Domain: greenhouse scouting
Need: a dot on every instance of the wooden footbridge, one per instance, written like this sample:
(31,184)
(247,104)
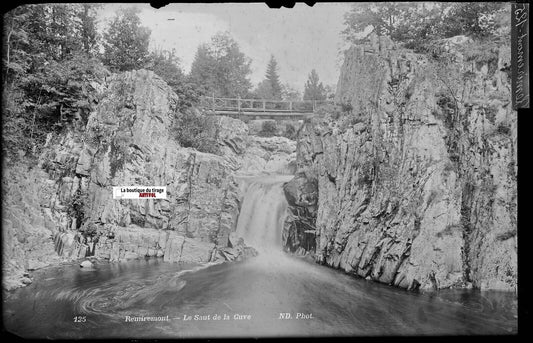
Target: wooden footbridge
(262,108)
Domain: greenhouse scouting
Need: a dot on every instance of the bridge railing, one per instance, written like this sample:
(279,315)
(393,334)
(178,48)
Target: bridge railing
(261,105)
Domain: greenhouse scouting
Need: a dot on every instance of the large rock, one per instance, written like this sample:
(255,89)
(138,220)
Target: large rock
(128,142)
(86,264)
(136,242)
(417,183)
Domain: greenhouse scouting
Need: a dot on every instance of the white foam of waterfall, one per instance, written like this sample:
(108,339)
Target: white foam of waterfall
(263,213)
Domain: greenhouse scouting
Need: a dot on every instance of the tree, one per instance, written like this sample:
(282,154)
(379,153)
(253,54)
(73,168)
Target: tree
(270,88)
(415,24)
(194,130)
(15,41)
(47,75)
(290,131)
(314,90)
(63,31)
(288,93)
(126,41)
(273,79)
(221,68)
(330,91)
(263,90)
(383,18)
(166,64)
(53,30)
(203,71)
(89,33)
(471,18)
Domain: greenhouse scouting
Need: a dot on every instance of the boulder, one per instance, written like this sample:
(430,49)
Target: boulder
(26,280)
(86,264)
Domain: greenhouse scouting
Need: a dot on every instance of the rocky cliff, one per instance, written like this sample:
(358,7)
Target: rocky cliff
(247,153)
(64,206)
(26,229)
(127,142)
(416,174)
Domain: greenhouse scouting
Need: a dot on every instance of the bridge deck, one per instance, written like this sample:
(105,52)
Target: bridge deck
(261,108)
(264,115)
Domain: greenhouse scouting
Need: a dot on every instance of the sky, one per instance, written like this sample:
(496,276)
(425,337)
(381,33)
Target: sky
(301,39)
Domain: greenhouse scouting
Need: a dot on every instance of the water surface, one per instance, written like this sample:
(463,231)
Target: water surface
(271,295)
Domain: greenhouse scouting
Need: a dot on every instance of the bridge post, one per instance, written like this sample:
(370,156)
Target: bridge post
(290,106)
(264,102)
(239,103)
(213,102)
(314,104)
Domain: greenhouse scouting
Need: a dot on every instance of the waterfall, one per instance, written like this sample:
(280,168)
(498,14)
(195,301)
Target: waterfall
(263,213)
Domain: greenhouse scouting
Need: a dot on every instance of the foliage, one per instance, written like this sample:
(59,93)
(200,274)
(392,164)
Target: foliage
(36,34)
(60,93)
(333,110)
(270,88)
(483,53)
(126,41)
(220,68)
(76,206)
(330,92)
(188,93)
(263,91)
(268,129)
(203,71)
(447,108)
(314,90)
(89,230)
(383,17)
(504,129)
(167,65)
(48,71)
(54,30)
(89,33)
(195,130)
(416,24)
(472,19)
(290,131)
(290,94)
(348,121)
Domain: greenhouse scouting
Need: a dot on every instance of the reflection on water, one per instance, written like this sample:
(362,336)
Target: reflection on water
(339,303)
(273,294)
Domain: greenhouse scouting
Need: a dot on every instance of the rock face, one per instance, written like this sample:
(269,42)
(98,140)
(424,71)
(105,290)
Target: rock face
(27,227)
(417,182)
(249,154)
(126,141)
(299,229)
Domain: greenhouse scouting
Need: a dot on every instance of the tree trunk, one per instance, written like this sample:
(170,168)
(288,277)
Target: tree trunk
(8,49)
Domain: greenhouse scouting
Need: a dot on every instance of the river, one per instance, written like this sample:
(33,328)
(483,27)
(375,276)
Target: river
(271,295)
